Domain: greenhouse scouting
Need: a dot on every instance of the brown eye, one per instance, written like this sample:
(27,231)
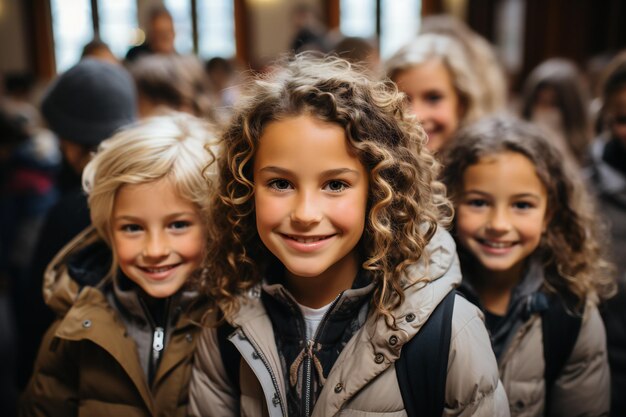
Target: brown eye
(280,184)
(336,186)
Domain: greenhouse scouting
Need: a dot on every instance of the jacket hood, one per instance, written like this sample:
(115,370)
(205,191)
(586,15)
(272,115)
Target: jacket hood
(425,284)
(84,261)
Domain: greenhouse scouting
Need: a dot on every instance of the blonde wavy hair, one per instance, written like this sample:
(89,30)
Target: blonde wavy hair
(176,146)
(450,52)
(570,249)
(405,202)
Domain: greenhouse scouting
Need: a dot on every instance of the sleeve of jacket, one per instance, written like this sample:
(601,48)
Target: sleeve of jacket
(52,389)
(473,386)
(210,390)
(583,388)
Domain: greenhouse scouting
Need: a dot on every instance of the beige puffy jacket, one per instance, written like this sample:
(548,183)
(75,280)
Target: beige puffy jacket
(363,381)
(582,388)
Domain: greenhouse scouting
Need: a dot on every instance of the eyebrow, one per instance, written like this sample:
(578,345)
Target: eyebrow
(137,218)
(521,195)
(327,173)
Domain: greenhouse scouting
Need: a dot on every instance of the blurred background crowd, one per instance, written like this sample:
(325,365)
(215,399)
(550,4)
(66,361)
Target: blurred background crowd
(558,63)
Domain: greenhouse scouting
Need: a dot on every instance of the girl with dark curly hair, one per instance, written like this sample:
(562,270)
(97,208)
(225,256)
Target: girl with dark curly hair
(528,244)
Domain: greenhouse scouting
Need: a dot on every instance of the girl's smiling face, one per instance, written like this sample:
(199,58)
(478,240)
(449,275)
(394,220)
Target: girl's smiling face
(432,99)
(310,202)
(501,212)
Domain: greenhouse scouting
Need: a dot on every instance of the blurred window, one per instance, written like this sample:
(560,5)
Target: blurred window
(118,23)
(74,25)
(358,18)
(72,28)
(399,23)
(394,22)
(182,15)
(216,28)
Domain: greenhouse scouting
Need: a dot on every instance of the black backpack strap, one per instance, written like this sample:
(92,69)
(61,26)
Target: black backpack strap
(560,329)
(231,357)
(422,368)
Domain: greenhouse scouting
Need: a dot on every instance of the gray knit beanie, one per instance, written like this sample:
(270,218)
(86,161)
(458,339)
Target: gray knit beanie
(90,101)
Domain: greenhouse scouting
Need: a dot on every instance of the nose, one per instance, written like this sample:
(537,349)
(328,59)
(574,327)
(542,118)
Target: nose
(306,209)
(419,109)
(156,245)
(499,221)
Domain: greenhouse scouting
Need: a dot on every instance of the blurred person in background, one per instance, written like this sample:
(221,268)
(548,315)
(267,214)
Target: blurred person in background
(607,177)
(172,82)
(361,51)
(28,161)
(441,85)
(83,106)
(224,85)
(310,32)
(160,35)
(98,49)
(555,96)
(482,55)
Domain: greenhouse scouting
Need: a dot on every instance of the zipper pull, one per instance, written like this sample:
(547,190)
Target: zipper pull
(157,340)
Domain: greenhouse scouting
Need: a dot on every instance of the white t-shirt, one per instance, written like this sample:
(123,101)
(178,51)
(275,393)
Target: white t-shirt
(313,318)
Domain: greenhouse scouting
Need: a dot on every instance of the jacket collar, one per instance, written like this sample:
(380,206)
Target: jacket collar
(526,299)
(60,288)
(425,285)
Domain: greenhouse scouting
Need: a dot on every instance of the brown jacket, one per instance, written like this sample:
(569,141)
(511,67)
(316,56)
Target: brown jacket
(88,365)
(363,380)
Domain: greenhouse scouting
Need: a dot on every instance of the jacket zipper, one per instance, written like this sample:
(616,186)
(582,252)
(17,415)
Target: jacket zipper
(269,370)
(158,336)
(309,357)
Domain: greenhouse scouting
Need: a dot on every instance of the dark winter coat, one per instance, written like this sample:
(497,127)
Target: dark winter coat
(609,185)
(88,363)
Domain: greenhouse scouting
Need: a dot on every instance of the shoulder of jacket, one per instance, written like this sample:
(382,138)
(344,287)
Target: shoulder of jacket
(465,314)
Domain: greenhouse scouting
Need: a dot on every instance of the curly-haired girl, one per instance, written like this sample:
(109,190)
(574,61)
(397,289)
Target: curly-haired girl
(333,258)
(527,244)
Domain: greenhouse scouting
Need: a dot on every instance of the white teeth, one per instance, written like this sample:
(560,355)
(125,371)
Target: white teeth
(307,239)
(497,245)
(157,270)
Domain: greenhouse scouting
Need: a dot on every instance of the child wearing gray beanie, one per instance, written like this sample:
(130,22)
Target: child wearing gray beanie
(83,106)
(90,101)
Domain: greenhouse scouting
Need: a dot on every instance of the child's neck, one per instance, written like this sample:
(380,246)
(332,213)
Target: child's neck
(321,290)
(494,288)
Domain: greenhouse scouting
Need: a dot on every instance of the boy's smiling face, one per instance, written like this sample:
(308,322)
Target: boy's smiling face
(310,202)
(158,237)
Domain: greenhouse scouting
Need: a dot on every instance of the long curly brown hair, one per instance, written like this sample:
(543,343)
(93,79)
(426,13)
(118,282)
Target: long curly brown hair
(405,202)
(571,248)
